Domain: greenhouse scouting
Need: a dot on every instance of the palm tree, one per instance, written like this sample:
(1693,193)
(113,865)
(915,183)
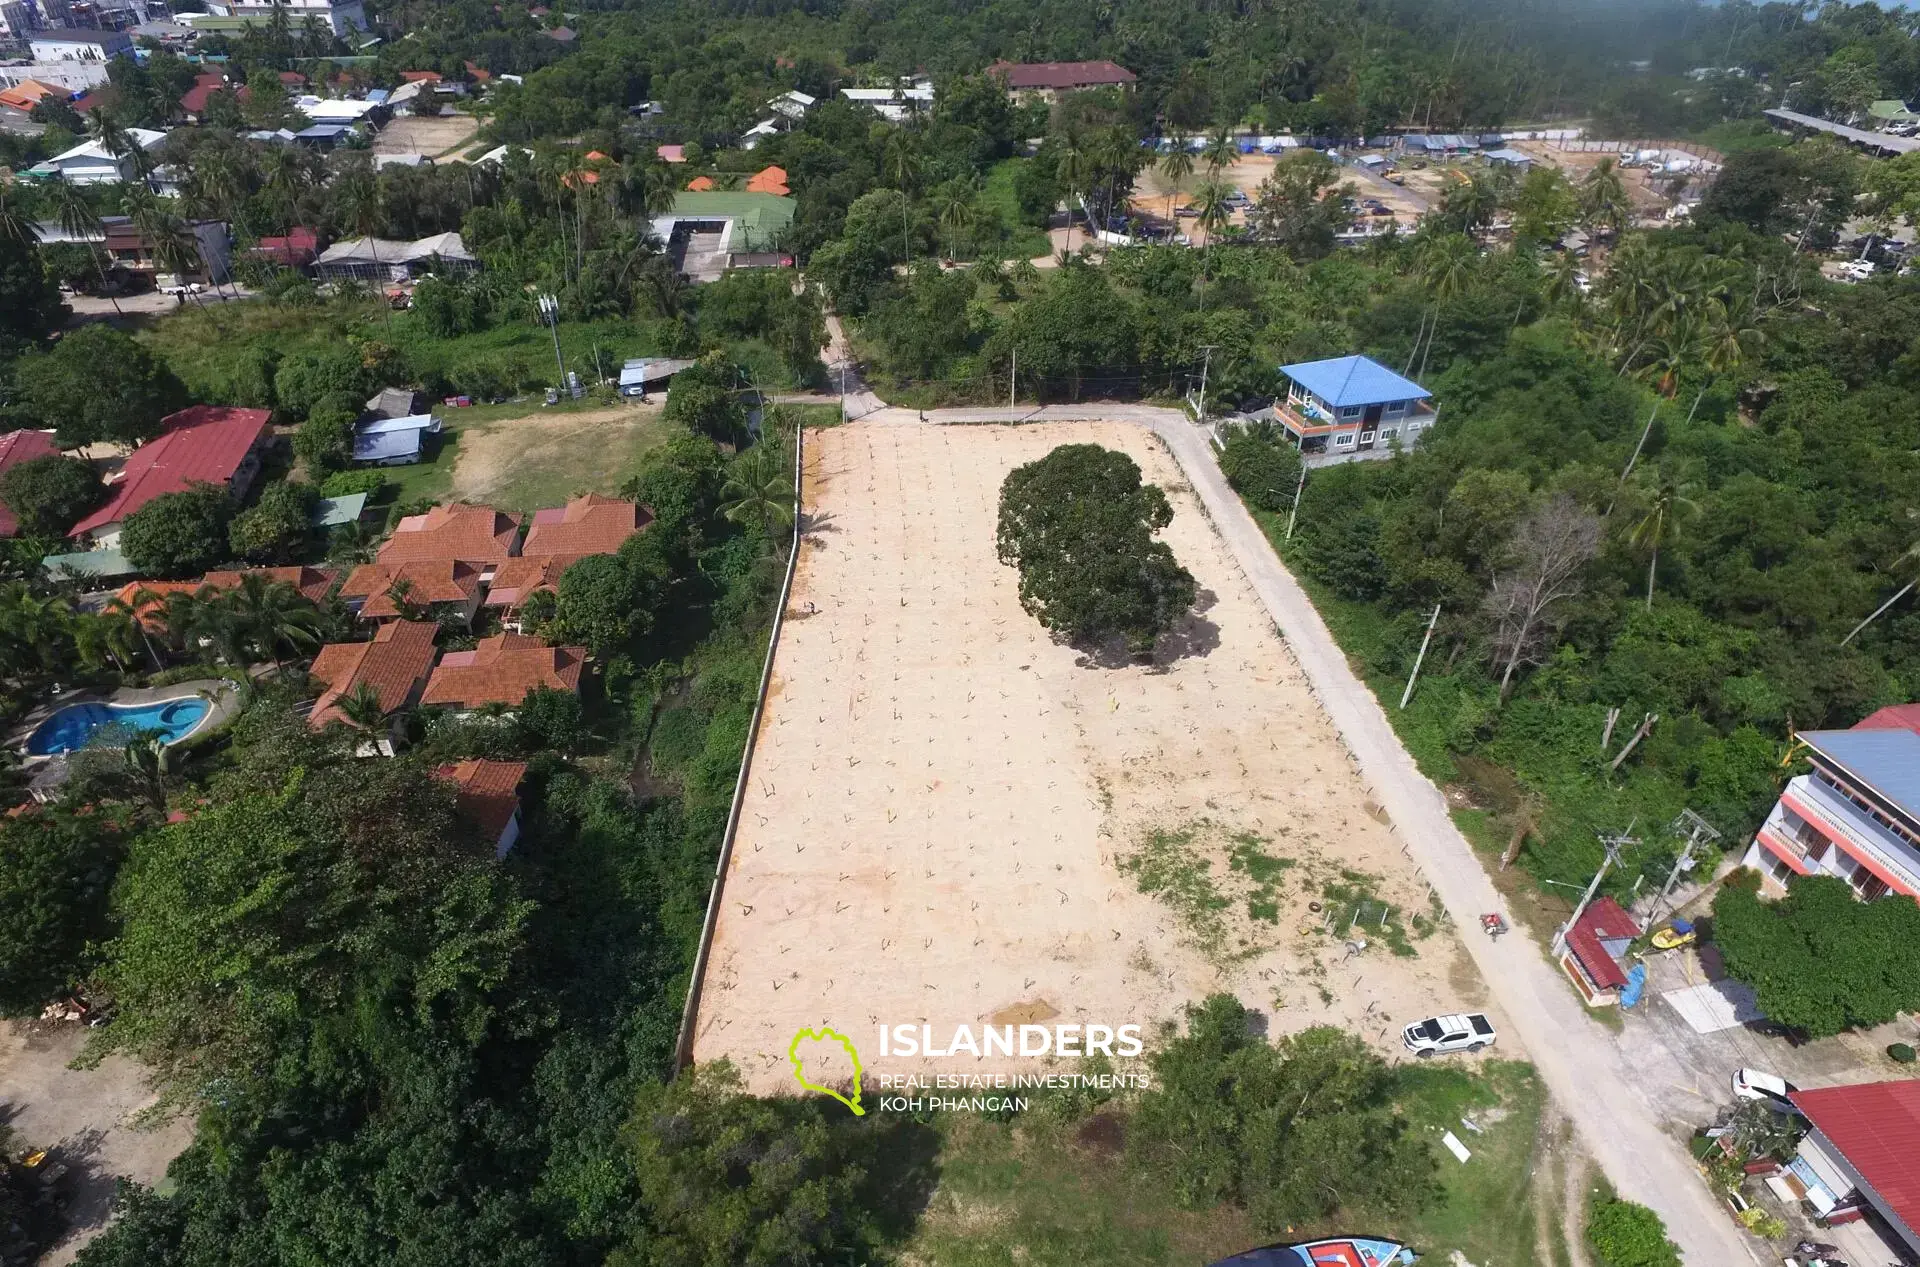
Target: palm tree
(118,142)
(358,206)
(758,490)
(79,221)
(1563,281)
(1220,151)
(1210,200)
(1603,198)
(1177,167)
(1907,558)
(275,615)
(175,249)
(1073,168)
(1024,273)
(1116,157)
(953,206)
(288,179)
(362,710)
(901,158)
(147,760)
(13,222)
(130,614)
(1667,506)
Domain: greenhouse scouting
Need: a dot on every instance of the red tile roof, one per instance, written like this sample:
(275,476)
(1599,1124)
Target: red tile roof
(592,524)
(421,76)
(503,669)
(700,184)
(201,444)
(769,180)
(473,534)
(478,75)
(295,250)
(1876,1126)
(519,578)
(398,658)
(17,447)
(293,78)
(312,584)
(430,581)
(1061,74)
(194,100)
(486,793)
(1603,918)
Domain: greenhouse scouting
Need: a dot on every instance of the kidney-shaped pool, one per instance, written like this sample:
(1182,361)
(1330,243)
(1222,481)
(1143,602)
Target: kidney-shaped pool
(73,726)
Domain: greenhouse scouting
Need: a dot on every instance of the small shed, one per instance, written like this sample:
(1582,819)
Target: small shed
(1509,158)
(393,441)
(1594,947)
(643,374)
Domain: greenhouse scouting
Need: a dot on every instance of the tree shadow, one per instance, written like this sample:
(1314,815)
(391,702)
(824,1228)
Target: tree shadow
(902,1161)
(80,1190)
(1192,635)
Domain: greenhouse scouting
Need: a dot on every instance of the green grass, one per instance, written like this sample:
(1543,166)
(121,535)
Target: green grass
(1026,242)
(1045,1193)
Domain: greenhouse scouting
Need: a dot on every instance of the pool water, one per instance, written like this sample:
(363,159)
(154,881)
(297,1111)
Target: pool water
(73,726)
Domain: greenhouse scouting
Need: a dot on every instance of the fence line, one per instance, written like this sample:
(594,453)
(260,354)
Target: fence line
(1584,146)
(689,1014)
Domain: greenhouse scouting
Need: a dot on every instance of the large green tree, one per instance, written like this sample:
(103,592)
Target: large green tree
(178,534)
(56,870)
(1819,959)
(99,384)
(1079,525)
(48,495)
(30,303)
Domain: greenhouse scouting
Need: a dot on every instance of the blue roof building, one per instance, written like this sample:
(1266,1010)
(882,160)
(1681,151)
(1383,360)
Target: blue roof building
(1855,815)
(393,441)
(1351,405)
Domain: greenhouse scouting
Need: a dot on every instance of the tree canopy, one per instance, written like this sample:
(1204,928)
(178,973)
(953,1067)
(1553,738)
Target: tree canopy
(177,534)
(1079,526)
(48,495)
(98,384)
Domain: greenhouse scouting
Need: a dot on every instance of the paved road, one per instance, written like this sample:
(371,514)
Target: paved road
(1580,1062)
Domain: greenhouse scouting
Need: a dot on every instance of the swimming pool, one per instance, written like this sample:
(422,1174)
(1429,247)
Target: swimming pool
(73,726)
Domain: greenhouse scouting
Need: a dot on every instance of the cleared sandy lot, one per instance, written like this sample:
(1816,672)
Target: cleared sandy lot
(948,811)
(545,458)
(432,135)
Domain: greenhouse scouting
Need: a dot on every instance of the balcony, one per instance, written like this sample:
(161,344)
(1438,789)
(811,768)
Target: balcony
(1839,820)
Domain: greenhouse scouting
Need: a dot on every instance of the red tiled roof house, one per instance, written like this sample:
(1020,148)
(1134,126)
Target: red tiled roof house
(312,584)
(396,663)
(204,444)
(1862,1153)
(558,538)
(479,535)
(1046,81)
(1594,946)
(17,447)
(504,670)
(446,590)
(487,794)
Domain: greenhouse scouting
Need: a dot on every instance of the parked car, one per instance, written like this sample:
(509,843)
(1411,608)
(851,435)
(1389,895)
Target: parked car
(1758,1084)
(1468,1031)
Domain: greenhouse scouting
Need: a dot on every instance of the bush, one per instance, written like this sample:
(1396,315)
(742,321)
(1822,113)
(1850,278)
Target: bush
(1627,1235)
(1819,959)
(347,483)
(98,384)
(1901,1053)
(178,534)
(1265,473)
(55,872)
(275,529)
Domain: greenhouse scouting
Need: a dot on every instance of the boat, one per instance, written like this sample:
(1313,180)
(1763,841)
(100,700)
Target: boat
(1336,1251)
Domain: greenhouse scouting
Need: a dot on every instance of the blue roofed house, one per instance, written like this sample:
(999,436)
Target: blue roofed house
(393,441)
(1855,814)
(1351,405)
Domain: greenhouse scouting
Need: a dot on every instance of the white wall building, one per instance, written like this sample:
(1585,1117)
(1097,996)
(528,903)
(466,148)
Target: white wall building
(73,76)
(79,45)
(89,163)
(893,104)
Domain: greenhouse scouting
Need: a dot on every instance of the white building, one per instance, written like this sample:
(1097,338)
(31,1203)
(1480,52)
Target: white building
(893,104)
(90,163)
(794,104)
(79,45)
(341,16)
(73,76)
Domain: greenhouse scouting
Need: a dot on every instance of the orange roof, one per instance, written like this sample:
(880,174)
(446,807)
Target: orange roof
(590,524)
(311,583)
(398,658)
(472,534)
(28,93)
(520,578)
(595,156)
(769,180)
(478,75)
(486,793)
(429,581)
(421,76)
(503,669)
(700,184)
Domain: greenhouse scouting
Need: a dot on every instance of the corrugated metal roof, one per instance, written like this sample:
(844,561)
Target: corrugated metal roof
(386,446)
(1887,762)
(1876,1127)
(1354,380)
(201,444)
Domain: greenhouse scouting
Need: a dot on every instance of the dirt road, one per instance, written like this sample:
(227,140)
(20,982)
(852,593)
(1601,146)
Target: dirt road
(1582,1066)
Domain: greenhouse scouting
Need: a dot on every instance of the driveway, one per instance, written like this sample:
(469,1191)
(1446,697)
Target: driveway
(1594,1080)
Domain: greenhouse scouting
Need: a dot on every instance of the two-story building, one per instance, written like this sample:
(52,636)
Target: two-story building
(1855,815)
(1349,406)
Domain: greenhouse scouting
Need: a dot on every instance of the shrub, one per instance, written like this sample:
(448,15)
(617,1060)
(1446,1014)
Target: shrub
(1264,473)
(1624,1234)
(178,534)
(50,494)
(347,483)
(275,528)
(1901,1053)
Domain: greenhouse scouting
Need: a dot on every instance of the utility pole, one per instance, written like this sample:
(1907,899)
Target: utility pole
(1421,658)
(550,310)
(1698,831)
(1613,846)
(1013,376)
(1298,489)
(1206,364)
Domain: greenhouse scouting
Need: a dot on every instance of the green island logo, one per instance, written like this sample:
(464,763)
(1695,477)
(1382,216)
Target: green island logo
(825,1035)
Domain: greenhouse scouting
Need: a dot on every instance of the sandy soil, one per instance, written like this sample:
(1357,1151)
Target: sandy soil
(1152,189)
(410,134)
(1576,164)
(86,1117)
(943,800)
(499,455)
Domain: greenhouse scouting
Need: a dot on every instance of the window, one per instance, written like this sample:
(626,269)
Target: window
(1350,411)
(1397,406)
(1389,433)
(1343,441)
(1781,871)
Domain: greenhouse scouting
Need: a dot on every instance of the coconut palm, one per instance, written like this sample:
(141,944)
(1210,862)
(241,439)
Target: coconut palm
(1563,281)
(1604,203)
(130,612)
(1220,151)
(362,710)
(1210,200)
(1667,505)
(1073,168)
(175,248)
(120,143)
(954,206)
(359,207)
(80,222)
(14,223)
(288,177)
(1908,558)
(1177,167)
(758,490)
(274,615)
(901,161)
(100,639)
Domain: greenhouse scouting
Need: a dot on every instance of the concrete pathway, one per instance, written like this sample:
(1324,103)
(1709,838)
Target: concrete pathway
(1580,1062)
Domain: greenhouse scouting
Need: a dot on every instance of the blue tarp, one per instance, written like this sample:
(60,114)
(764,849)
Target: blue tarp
(1354,380)
(388,446)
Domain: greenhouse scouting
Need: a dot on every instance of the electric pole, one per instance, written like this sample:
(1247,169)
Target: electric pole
(1422,657)
(1206,364)
(1298,489)
(1698,831)
(550,310)
(1613,846)
(1013,377)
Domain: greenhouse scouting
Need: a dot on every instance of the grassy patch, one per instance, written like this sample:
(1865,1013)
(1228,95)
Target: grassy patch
(1024,241)
(1169,866)
(1262,871)
(1487,1210)
(1353,909)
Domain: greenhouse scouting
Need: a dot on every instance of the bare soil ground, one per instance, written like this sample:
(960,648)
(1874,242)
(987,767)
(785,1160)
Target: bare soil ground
(86,1117)
(1576,164)
(1152,190)
(543,459)
(951,818)
(432,136)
